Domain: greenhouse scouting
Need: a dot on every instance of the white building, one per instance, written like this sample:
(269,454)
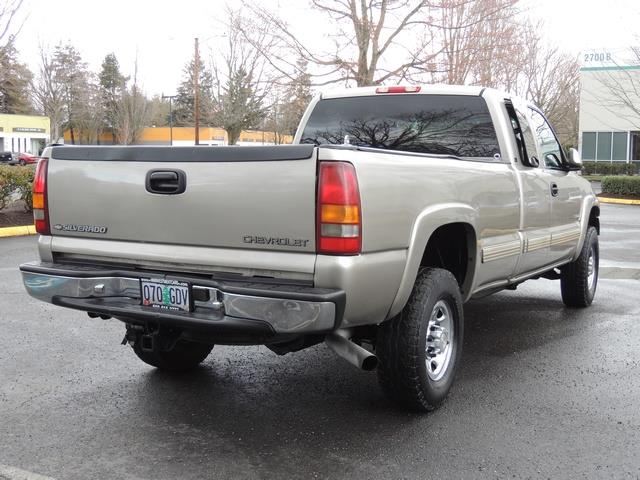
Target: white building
(610,106)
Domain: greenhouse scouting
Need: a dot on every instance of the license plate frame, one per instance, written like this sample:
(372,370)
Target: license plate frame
(165,294)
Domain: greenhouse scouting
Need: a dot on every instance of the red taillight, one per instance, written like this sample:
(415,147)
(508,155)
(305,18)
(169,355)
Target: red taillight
(398,89)
(40,213)
(339,222)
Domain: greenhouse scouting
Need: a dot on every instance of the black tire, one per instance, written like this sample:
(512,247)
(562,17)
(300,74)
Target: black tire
(578,289)
(184,356)
(402,343)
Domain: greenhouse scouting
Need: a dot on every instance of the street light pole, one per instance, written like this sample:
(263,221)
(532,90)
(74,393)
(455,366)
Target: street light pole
(170,97)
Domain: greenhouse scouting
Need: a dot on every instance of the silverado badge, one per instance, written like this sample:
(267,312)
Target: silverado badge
(69,227)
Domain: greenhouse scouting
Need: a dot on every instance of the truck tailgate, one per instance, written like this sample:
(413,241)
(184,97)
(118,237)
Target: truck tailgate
(259,198)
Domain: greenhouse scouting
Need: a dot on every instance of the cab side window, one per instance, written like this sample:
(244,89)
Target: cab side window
(529,141)
(523,136)
(548,143)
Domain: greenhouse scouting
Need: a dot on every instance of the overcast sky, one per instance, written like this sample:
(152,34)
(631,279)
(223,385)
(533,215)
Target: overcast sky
(161,32)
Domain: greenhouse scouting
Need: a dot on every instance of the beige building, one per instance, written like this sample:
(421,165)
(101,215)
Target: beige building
(610,106)
(23,133)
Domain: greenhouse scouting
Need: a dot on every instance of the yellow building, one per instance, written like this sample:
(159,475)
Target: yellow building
(24,133)
(186,136)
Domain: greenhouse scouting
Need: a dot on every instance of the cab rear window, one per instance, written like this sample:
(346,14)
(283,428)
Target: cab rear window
(457,125)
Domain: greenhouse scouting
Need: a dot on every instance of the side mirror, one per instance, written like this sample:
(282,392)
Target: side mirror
(574,161)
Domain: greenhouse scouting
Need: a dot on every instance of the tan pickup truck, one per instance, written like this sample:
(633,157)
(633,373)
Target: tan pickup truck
(394,206)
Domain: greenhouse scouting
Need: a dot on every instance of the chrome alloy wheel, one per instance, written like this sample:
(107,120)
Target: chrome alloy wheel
(439,338)
(592,269)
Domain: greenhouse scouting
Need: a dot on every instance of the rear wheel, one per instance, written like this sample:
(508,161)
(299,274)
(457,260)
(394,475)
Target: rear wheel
(420,348)
(579,279)
(183,356)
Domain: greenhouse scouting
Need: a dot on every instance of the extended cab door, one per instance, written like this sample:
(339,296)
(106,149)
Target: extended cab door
(536,196)
(564,189)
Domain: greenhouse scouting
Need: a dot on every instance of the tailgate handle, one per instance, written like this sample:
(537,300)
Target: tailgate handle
(166,182)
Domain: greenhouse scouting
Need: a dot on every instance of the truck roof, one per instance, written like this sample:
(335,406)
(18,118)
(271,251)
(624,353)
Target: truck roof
(437,89)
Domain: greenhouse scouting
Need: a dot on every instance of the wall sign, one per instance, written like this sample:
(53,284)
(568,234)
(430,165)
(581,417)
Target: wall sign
(29,130)
(615,57)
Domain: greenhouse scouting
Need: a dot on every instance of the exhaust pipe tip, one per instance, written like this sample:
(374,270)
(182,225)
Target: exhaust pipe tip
(369,363)
(353,353)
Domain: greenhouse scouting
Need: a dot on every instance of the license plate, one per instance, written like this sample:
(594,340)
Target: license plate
(165,294)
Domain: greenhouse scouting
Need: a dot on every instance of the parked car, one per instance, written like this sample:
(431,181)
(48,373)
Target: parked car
(393,207)
(8,158)
(27,159)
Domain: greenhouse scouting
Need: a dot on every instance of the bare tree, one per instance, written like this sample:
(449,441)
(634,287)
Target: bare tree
(8,11)
(551,80)
(488,43)
(132,113)
(376,41)
(241,79)
(288,104)
(90,112)
(476,38)
(48,93)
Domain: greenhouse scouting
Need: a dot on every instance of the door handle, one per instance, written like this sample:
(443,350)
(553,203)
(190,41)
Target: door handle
(166,182)
(554,189)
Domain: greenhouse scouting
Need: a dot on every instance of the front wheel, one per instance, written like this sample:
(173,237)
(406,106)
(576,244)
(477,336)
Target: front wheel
(578,279)
(420,348)
(184,355)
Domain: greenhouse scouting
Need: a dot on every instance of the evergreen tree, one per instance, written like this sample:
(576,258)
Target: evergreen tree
(184,111)
(238,107)
(72,74)
(158,112)
(15,78)
(112,86)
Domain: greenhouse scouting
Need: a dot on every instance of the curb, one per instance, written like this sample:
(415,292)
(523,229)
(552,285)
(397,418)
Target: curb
(17,231)
(619,201)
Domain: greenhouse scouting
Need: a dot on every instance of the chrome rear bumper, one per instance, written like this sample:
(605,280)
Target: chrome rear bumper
(224,306)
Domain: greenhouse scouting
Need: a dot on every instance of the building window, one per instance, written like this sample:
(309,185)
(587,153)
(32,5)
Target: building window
(635,146)
(589,145)
(604,146)
(619,147)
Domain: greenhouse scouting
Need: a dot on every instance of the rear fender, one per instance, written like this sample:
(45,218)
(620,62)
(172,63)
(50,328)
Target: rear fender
(427,222)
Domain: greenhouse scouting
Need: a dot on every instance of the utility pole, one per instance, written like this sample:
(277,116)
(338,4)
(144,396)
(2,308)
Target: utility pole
(196,96)
(170,97)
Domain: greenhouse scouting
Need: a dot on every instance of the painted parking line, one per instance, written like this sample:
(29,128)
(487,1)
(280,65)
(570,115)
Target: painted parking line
(13,473)
(17,231)
(619,273)
(619,201)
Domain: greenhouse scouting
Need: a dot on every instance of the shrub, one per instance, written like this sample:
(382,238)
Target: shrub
(607,168)
(6,185)
(23,181)
(621,185)
(14,179)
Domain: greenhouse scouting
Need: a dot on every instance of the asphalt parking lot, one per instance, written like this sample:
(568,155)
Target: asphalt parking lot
(543,392)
